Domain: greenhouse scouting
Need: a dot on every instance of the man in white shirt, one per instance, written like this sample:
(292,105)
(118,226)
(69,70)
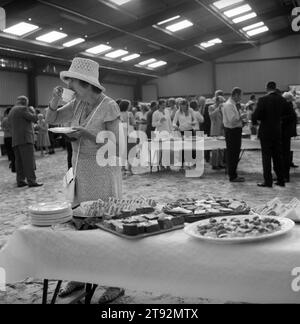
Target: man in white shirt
(233,124)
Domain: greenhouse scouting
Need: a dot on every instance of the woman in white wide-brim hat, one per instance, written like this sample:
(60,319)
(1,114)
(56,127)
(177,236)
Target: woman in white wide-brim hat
(89,113)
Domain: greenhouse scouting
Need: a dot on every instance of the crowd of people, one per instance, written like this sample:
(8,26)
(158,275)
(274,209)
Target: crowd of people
(216,117)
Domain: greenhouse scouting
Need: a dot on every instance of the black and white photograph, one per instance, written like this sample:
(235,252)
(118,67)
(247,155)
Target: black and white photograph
(149,154)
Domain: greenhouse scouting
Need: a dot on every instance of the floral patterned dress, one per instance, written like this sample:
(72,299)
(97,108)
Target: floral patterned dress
(92,181)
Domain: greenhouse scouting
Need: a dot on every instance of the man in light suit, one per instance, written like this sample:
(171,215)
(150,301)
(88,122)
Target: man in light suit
(233,125)
(20,119)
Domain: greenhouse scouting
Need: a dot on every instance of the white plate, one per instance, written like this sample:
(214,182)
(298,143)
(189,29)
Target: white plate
(50,208)
(62,130)
(286,226)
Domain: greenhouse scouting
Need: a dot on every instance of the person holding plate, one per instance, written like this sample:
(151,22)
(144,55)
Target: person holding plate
(89,113)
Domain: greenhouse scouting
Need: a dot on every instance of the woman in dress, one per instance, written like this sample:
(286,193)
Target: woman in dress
(217,129)
(43,141)
(184,122)
(198,117)
(128,122)
(90,112)
(141,118)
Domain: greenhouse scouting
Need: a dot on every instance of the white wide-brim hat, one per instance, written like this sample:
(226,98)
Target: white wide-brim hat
(83,69)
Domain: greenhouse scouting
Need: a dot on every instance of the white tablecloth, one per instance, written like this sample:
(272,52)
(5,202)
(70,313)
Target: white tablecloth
(168,263)
(171,151)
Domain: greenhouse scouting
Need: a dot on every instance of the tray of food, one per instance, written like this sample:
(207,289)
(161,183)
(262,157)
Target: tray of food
(194,209)
(136,227)
(242,229)
(114,208)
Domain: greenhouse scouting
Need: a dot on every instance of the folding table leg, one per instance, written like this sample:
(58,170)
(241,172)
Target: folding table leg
(90,290)
(56,292)
(45,291)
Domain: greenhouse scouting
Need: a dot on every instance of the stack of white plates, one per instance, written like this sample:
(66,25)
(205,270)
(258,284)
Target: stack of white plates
(48,214)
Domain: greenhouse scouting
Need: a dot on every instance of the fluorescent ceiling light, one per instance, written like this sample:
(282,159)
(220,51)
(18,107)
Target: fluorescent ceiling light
(180,25)
(51,37)
(116,53)
(237,11)
(216,41)
(167,20)
(74,42)
(253,26)
(257,31)
(130,57)
(20,29)
(98,49)
(157,64)
(211,43)
(225,3)
(244,18)
(120,2)
(148,61)
(206,44)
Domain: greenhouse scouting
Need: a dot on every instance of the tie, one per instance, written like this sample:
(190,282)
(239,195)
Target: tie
(238,107)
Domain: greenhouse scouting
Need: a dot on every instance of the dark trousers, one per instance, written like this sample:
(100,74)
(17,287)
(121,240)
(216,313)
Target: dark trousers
(25,163)
(69,153)
(52,142)
(271,151)
(233,149)
(286,156)
(10,152)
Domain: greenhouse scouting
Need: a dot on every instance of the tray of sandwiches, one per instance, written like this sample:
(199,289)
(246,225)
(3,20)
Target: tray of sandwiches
(140,226)
(195,209)
(114,208)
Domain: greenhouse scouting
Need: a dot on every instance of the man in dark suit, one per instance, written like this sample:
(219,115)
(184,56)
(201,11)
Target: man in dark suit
(20,119)
(270,111)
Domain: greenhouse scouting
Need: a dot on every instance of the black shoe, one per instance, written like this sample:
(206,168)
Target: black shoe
(216,168)
(280,184)
(238,179)
(294,165)
(22,184)
(35,184)
(264,185)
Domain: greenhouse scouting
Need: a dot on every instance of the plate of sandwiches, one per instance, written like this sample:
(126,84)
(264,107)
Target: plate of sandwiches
(239,229)
(194,209)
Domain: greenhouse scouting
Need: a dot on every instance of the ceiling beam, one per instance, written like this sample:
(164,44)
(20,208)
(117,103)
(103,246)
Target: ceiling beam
(206,5)
(148,20)
(96,21)
(186,44)
(20,52)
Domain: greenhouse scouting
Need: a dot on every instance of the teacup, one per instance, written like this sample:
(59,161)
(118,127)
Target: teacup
(67,95)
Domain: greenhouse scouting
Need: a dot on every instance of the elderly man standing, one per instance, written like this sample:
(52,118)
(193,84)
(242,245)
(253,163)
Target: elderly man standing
(270,112)
(20,119)
(233,124)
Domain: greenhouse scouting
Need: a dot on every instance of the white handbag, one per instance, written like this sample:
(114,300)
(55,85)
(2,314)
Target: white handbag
(69,181)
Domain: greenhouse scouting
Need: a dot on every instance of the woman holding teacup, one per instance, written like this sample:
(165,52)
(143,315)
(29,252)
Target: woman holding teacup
(89,112)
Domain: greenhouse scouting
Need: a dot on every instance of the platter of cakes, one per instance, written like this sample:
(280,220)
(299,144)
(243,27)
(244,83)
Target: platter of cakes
(239,229)
(276,207)
(115,208)
(135,227)
(194,209)
(50,213)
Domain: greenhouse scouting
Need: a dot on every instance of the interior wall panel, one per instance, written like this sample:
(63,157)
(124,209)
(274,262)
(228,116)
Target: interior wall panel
(44,87)
(192,81)
(12,85)
(253,76)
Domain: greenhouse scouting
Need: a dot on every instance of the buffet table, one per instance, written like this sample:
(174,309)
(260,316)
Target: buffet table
(171,263)
(170,151)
